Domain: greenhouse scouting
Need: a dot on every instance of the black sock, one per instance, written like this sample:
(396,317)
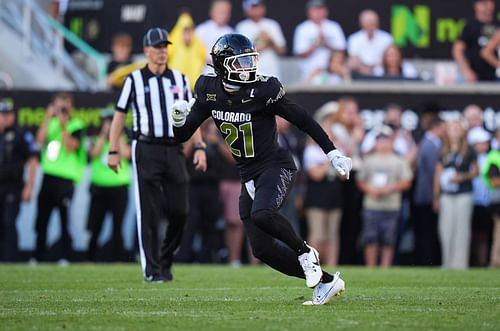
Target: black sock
(326,277)
(278,226)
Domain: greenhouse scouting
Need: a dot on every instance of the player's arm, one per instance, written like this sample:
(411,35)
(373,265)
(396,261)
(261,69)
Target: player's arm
(187,117)
(301,119)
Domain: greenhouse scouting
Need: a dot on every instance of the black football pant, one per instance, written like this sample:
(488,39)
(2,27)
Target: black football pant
(264,224)
(10,198)
(104,200)
(161,191)
(57,193)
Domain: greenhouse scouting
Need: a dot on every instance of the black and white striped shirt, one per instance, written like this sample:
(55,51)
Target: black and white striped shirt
(151,98)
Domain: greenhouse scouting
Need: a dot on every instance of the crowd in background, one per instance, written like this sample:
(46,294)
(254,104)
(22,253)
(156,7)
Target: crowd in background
(326,55)
(426,197)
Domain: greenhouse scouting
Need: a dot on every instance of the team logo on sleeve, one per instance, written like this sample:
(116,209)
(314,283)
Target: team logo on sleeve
(280,94)
(211,97)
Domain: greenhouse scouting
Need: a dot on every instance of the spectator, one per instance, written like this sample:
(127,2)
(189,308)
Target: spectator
(383,176)
(404,145)
(479,139)
(336,73)
(424,217)
(491,173)
(473,115)
(108,191)
(63,162)
(348,132)
(490,55)
(187,52)
(204,202)
(210,30)
(17,148)
(366,47)
(121,48)
(230,188)
(475,35)
(315,38)
(393,66)
(453,196)
(266,35)
(323,202)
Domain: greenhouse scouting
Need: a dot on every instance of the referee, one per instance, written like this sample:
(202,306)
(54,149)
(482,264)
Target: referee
(159,164)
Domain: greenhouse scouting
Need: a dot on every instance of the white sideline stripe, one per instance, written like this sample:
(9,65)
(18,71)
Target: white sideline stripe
(138,208)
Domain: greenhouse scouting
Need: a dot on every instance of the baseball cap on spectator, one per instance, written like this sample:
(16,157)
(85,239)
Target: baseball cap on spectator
(315,3)
(382,131)
(155,36)
(247,4)
(6,106)
(478,135)
(326,110)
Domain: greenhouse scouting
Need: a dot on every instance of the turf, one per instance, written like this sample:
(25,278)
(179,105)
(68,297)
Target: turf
(114,297)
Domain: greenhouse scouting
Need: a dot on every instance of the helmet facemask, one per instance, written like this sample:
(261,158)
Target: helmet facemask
(241,68)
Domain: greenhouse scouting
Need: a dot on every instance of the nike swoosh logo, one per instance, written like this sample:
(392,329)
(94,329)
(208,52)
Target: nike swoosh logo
(246,100)
(316,256)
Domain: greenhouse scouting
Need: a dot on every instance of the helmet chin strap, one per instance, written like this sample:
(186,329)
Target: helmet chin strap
(231,88)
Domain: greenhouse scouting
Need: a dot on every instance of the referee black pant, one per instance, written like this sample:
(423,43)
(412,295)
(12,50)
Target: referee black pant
(160,192)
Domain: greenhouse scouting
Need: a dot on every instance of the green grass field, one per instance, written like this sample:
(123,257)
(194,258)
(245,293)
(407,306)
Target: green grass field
(114,297)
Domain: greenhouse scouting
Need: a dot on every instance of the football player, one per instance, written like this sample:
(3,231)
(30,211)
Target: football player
(243,106)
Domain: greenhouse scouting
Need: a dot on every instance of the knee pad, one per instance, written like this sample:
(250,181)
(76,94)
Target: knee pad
(262,217)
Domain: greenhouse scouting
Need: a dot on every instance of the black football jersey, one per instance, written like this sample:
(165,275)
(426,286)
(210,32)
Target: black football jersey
(246,120)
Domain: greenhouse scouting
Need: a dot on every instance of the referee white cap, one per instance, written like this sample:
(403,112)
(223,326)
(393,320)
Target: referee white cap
(155,36)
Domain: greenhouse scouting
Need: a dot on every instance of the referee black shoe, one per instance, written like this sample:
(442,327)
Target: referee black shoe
(167,274)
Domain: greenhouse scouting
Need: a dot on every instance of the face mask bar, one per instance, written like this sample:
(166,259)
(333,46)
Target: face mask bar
(241,68)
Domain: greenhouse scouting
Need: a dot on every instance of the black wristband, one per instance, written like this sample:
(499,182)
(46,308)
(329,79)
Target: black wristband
(200,145)
(113,153)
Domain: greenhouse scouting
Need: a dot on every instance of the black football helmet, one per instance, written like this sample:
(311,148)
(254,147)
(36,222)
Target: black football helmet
(235,59)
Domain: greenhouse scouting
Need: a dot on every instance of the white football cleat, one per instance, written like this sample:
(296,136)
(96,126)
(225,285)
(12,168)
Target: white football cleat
(312,270)
(324,292)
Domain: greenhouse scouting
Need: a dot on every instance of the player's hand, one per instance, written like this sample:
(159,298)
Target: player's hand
(200,160)
(114,162)
(341,163)
(180,110)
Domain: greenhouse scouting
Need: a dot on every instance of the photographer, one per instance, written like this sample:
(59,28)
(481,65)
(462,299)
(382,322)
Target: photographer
(63,160)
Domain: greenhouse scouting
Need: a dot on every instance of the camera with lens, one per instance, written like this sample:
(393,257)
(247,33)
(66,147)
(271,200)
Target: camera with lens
(62,110)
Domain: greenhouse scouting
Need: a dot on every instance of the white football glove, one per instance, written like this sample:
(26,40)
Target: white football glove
(341,163)
(180,110)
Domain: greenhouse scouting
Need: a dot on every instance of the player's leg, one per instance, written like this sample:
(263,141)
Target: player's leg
(264,247)
(271,190)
